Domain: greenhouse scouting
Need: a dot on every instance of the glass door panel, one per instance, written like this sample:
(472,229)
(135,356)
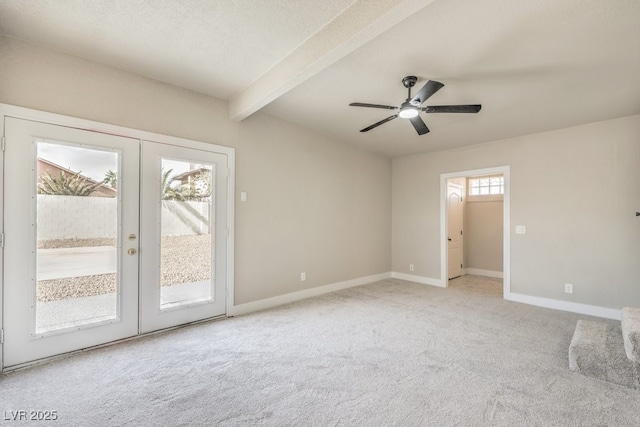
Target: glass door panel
(186,233)
(77,207)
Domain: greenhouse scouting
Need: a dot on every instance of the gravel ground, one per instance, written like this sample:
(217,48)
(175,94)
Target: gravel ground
(74,243)
(73,287)
(185,259)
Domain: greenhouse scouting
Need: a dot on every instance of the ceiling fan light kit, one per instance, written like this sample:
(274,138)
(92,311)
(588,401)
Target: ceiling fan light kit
(408,112)
(410,109)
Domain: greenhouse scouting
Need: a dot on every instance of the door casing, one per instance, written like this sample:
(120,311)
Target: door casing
(506,236)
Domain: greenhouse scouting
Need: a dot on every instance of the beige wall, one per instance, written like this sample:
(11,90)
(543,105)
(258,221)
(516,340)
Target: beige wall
(483,235)
(576,190)
(314,204)
(319,206)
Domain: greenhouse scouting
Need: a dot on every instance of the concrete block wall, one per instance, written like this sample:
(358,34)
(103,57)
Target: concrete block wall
(185,218)
(73,217)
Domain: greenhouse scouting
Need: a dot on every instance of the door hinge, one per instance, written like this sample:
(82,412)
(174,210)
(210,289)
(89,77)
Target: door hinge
(1,336)
(4,140)
(461,232)
(1,240)
(460,265)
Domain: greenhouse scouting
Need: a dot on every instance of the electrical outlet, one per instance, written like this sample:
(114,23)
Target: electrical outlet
(568,288)
(303,277)
(411,267)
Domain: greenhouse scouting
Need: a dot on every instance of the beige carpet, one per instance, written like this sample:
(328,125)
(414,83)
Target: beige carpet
(388,353)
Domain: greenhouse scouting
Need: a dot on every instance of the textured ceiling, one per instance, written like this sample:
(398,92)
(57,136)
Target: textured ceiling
(215,47)
(533,65)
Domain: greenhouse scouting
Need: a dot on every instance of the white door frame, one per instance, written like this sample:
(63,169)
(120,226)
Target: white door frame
(90,125)
(506,213)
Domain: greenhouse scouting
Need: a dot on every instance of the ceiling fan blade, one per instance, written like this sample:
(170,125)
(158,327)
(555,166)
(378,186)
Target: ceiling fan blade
(427,90)
(381,122)
(361,104)
(419,125)
(452,108)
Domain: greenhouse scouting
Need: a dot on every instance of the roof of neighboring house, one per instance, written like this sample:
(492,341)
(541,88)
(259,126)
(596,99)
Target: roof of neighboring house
(187,174)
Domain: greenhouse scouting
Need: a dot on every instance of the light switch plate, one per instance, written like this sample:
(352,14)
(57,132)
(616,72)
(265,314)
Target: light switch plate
(521,229)
(243,196)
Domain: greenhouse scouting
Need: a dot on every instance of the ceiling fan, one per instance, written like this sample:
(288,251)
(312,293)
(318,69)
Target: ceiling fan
(410,109)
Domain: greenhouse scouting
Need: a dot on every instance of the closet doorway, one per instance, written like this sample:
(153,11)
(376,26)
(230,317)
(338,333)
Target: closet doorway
(454,261)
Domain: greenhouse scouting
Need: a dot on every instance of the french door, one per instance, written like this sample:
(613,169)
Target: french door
(184,233)
(106,237)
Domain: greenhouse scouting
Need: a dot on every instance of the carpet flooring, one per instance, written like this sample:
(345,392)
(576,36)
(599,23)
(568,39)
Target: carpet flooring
(388,353)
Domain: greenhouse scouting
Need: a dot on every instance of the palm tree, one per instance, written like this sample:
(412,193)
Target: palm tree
(111,178)
(169,192)
(66,185)
(199,189)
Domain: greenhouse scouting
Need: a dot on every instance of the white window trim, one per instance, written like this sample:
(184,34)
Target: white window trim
(484,197)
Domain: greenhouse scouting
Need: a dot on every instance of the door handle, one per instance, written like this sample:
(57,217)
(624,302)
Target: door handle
(131,251)
(449,238)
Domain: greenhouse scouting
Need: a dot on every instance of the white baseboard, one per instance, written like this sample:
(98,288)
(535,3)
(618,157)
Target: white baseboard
(573,307)
(485,273)
(590,310)
(419,279)
(264,304)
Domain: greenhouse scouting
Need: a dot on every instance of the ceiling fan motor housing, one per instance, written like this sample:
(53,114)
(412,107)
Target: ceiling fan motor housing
(409,81)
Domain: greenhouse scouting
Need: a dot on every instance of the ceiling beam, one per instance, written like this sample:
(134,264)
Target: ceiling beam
(355,26)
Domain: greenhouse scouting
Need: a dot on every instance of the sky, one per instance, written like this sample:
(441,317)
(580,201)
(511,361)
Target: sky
(93,163)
